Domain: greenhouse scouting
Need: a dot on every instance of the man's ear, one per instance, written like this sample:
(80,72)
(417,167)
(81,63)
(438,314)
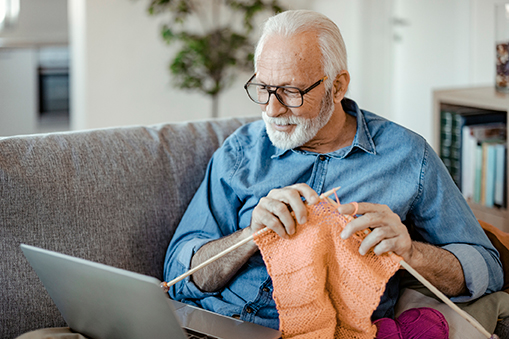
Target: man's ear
(340,85)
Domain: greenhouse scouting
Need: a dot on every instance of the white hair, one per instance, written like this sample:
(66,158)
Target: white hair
(290,23)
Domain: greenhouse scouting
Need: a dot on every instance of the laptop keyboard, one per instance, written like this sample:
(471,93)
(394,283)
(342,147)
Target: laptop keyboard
(197,335)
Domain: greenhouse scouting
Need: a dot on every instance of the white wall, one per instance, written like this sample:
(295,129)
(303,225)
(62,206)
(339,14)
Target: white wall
(431,51)
(119,68)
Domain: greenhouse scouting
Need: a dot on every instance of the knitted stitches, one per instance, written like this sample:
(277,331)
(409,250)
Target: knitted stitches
(323,287)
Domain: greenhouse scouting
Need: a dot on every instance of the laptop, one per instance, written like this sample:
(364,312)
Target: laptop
(104,302)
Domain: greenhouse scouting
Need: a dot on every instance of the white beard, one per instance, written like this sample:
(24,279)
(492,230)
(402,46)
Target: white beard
(305,129)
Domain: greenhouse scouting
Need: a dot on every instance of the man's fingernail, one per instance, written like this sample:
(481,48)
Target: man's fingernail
(343,235)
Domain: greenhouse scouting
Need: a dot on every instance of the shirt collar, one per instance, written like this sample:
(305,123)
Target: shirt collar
(362,140)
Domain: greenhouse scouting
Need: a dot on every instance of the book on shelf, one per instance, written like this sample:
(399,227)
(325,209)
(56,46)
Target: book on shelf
(489,177)
(478,174)
(500,194)
(453,119)
(480,163)
(473,148)
(468,163)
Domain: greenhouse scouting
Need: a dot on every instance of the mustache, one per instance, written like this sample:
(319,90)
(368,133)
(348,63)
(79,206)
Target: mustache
(288,120)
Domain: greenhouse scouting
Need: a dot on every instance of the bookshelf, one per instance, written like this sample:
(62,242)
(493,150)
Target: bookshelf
(484,99)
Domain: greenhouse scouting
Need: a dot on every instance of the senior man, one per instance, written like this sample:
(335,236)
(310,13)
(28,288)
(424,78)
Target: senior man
(312,138)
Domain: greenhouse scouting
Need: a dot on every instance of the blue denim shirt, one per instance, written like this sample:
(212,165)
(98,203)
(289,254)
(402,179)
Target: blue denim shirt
(386,164)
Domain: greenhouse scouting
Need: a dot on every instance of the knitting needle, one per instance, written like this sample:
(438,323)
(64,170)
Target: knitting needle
(166,285)
(328,193)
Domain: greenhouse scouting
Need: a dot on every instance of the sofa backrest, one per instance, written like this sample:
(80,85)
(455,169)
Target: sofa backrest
(114,196)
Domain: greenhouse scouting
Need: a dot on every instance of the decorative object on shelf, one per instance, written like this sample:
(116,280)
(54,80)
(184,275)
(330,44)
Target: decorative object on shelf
(215,40)
(502,46)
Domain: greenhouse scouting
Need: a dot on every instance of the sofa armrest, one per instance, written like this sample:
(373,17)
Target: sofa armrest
(114,196)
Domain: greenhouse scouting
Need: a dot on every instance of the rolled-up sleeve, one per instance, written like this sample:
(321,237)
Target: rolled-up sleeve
(182,264)
(475,270)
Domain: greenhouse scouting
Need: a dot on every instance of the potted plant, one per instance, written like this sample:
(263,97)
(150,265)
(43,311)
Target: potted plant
(215,40)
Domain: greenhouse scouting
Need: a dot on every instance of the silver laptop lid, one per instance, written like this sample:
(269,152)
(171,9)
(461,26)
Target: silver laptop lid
(104,302)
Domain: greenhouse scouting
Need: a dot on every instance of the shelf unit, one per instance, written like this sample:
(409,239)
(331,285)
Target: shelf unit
(482,98)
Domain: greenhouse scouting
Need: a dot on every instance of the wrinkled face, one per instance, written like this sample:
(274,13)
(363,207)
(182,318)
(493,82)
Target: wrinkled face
(295,61)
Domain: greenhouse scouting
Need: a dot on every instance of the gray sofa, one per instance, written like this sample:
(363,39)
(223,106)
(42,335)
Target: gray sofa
(114,196)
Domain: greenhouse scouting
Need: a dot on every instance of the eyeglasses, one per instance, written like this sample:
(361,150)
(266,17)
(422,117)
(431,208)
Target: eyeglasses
(287,95)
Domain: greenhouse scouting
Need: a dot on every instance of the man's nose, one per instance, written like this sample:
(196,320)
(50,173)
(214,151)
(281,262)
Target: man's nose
(274,108)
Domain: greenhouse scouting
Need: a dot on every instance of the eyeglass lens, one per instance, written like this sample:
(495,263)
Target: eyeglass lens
(288,96)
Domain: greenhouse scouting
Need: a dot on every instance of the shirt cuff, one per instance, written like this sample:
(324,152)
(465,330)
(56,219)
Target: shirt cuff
(475,270)
(186,287)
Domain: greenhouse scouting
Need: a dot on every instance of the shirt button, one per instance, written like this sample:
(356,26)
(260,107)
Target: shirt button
(266,289)
(249,310)
(322,157)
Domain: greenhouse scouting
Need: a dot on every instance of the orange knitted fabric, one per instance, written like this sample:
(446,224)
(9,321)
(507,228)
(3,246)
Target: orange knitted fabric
(323,287)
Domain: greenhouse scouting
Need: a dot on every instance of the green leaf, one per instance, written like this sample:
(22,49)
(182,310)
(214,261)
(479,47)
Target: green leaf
(168,34)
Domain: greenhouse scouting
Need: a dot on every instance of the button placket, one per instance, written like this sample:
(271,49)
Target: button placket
(318,175)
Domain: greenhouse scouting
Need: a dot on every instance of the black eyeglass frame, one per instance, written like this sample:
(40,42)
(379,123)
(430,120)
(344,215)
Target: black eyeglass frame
(274,91)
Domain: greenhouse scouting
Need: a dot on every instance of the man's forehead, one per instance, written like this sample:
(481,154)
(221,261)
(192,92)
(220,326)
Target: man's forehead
(290,60)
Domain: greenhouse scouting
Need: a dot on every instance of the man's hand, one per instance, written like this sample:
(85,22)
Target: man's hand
(275,210)
(438,266)
(387,231)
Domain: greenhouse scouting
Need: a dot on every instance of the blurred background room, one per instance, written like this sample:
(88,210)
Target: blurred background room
(81,64)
